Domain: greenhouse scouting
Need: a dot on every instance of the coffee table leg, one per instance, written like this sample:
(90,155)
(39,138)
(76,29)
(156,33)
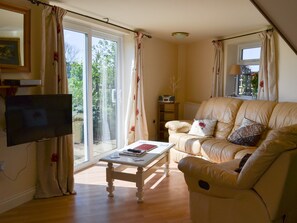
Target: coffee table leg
(139,185)
(166,170)
(109,180)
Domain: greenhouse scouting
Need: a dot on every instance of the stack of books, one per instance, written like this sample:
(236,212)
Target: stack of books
(138,150)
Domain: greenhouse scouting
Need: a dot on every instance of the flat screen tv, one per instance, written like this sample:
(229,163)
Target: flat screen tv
(37,117)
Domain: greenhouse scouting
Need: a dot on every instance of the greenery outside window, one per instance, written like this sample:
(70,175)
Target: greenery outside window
(93,61)
(249,59)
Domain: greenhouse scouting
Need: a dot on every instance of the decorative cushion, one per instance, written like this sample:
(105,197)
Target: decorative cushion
(248,134)
(204,127)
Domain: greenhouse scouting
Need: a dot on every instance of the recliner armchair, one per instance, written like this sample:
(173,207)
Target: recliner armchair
(264,191)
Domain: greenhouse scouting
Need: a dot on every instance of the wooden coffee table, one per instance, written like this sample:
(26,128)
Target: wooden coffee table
(146,165)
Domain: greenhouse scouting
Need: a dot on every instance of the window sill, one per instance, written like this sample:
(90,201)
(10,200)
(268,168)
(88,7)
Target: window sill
(242,97)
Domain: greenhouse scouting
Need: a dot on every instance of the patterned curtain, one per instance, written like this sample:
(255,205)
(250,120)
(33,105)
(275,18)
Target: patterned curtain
(55,156)
(217,81)
(267,86)
(136,125)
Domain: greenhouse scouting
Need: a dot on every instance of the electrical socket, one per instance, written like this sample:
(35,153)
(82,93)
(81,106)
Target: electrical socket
(2,163)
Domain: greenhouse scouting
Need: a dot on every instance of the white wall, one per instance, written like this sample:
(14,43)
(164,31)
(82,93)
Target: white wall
(181,78)
(17,182)
(200,57)
(287,70)
(159,64)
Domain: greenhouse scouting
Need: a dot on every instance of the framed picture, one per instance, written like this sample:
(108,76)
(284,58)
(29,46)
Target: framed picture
(10,51)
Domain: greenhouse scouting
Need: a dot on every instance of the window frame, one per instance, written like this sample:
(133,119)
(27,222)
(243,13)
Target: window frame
(241,62)
(241,47)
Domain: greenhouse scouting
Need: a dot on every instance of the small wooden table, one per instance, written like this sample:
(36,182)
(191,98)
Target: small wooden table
(146,165)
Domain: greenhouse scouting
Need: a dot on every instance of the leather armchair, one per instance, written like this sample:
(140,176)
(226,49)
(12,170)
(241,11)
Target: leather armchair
(264,191)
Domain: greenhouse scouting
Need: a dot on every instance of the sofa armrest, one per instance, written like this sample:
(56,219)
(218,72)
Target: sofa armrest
(178,126)
(218,175)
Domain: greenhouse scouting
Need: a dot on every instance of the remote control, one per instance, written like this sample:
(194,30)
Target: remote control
(134,150)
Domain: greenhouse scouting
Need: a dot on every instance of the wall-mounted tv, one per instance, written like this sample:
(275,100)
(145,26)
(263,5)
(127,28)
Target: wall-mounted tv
(36,117)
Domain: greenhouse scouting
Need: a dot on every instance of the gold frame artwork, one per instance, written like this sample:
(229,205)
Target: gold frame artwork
(10,51)
(24,64)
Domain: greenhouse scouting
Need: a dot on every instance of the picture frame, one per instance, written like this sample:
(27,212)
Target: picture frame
(10,51)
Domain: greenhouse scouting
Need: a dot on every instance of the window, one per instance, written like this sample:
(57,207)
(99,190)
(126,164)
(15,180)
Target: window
(249,59)
(92,59)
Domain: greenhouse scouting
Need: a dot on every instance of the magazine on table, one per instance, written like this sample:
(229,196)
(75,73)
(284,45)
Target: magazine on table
(146,147)
(139,150)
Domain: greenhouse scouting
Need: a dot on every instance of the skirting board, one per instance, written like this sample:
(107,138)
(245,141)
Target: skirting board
(17,200)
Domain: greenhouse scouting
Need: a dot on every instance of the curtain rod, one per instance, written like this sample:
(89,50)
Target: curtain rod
(248,34)
(37,2)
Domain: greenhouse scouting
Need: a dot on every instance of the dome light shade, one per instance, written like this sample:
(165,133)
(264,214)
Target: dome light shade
(180,35)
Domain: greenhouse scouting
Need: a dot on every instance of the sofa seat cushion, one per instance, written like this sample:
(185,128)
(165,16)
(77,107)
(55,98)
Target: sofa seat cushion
(190,144)
(220,150)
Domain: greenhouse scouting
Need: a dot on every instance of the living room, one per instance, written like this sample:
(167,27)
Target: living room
(190,62)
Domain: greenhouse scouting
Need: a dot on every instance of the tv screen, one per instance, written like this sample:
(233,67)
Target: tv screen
(36,117)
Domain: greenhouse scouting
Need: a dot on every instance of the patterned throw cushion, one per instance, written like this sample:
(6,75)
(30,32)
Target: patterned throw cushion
(242,162)
(204,127)
(248,134)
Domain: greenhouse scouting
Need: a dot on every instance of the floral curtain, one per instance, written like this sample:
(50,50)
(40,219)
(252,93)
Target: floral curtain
(267,86)
(136,125)
(217,80)
(55,156)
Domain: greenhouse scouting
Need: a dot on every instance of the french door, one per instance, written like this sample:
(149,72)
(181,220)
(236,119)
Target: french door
(92,60)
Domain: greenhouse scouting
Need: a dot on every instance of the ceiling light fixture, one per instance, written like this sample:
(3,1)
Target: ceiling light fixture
(180,35)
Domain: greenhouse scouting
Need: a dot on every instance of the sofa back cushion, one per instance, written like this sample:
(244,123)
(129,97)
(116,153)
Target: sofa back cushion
(255,110)
(223,110)
(258,111)
(284,114)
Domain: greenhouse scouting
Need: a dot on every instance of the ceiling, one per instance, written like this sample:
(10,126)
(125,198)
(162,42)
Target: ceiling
(159,18)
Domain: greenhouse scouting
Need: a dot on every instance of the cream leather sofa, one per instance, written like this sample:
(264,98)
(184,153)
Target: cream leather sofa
(265,190)
(229,113)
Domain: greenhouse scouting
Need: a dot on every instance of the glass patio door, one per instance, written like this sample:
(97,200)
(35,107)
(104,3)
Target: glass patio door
(104,100)
(92,70)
